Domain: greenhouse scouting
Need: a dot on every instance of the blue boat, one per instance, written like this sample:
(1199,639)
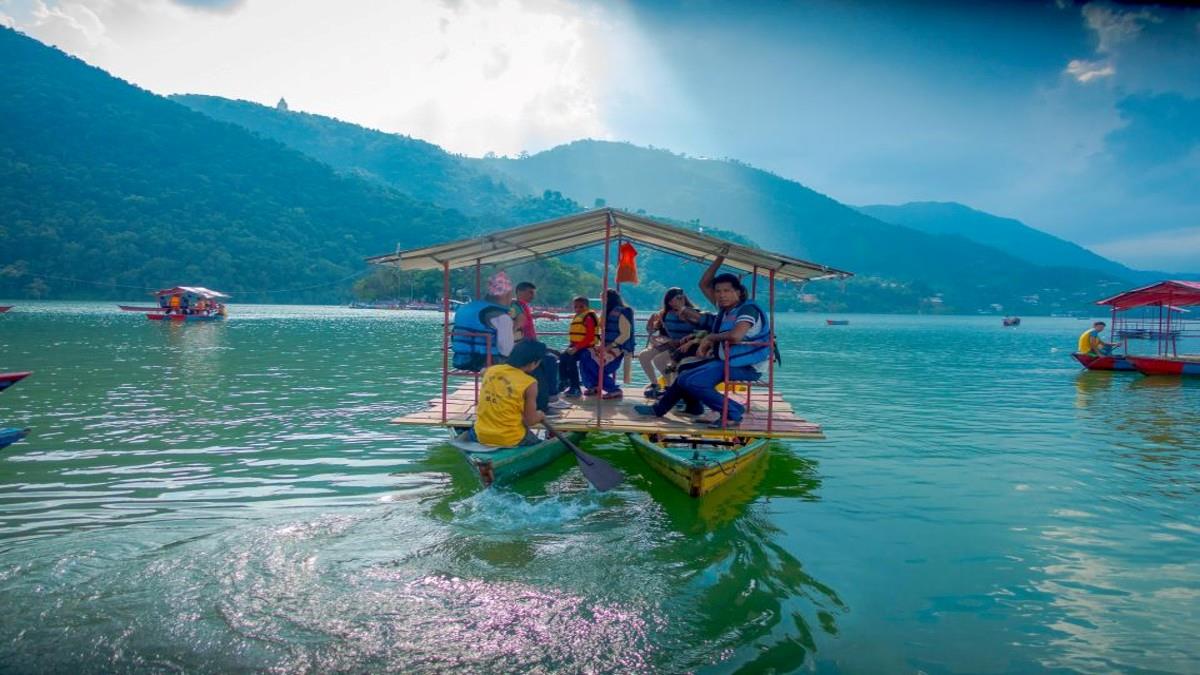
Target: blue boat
(10,435)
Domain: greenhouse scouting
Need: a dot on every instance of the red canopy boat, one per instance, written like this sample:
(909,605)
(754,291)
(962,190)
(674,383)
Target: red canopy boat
(195,303)
(1166,327)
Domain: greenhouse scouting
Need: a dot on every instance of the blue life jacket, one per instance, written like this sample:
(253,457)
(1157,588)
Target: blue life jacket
(676,327)
(471,351)
(743,354)
(612,328)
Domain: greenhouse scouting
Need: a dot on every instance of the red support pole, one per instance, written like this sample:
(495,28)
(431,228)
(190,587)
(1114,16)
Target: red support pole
(603,314)
(445,335)
(771,359)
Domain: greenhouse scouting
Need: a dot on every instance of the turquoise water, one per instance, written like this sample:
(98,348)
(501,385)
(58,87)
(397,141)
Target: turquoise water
(229,496)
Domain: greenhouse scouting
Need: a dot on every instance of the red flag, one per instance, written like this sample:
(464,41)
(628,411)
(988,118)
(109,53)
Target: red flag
(627,264)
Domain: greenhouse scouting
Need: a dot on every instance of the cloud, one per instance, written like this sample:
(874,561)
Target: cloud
(222,6)
(1086,71)
(1178,250)
(1113,26)
(70,25)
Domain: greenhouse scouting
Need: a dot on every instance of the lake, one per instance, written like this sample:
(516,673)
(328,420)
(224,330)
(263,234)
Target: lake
(230,496)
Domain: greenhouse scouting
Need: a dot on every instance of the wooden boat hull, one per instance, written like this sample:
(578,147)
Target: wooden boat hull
(837,322)
(185,317)
(1111,362)
(498,466)
(1012,322)
(1151,365)
(5,308)
(697,471)
(135,308)
(8,436)
(9,379)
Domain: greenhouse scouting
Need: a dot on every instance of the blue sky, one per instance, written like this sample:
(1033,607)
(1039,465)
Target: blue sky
(1081,119)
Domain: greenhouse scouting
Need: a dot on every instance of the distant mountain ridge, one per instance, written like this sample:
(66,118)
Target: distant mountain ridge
(1006,234)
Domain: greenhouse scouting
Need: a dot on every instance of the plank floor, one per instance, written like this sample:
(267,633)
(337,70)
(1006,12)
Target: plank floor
(619,416)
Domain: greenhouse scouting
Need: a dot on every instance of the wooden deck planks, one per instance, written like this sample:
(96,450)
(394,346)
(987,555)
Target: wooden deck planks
(618,417)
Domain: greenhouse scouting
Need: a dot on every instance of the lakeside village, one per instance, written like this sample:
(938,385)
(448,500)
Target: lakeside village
(514,398)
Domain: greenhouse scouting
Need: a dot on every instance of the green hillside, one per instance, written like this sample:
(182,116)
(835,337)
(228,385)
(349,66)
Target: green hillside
(124,190)
(419,169)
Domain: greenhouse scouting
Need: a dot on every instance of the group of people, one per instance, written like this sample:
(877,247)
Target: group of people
(524,381)
(182,304)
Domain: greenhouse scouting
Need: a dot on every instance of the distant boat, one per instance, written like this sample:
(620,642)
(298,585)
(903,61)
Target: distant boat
(9,379)
(5,308)
(837,322)
(1012,321)
(187,303)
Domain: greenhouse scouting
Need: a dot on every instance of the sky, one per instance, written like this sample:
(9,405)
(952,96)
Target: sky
(1080,119)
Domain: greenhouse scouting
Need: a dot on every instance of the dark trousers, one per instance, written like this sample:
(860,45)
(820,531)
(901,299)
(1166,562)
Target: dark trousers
(568,370)
(589,370)
(547,381)
(697,387)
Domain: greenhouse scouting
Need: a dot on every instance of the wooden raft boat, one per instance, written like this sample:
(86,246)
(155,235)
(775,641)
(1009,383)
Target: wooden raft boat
(694,455)
(159,316)
(9,379)
(9,435)
(499,466)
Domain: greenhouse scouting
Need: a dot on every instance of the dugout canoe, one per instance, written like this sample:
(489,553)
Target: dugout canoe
(698,464)
(1110,362)
(9,379)
(10,435)
(1164,365)
(498,466)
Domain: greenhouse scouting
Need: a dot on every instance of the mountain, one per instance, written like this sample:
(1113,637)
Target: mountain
(416,168)
(1006,234)
(787,216)
(107,189)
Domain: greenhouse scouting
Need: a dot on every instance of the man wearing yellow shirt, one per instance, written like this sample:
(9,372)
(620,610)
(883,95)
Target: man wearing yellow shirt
(1091,342)
(508,399)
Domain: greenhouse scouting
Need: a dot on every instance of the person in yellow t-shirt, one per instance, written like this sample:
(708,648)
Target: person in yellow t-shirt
(1090,341)
(508,399)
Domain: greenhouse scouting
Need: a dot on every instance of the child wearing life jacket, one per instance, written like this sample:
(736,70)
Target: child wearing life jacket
(582,338)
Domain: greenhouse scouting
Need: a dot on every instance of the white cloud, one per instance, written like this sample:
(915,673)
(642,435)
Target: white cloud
(1176,250)
(470,75)
(1086,71)
(1113,26)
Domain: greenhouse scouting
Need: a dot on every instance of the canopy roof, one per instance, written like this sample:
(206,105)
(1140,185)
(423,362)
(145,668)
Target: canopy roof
(199,291)
(581,230)
(1177,293)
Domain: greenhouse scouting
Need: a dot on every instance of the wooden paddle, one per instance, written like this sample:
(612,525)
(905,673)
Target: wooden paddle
(599,473)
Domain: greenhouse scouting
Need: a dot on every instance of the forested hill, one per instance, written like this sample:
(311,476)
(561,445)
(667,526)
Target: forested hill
(419,169)
(797,220)
(104,182)
(1007,234)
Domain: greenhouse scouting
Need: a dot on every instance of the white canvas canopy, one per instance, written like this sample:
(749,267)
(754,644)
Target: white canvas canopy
(198,291)
(581,230)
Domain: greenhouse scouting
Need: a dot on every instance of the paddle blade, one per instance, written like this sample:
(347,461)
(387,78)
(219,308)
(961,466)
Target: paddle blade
(599,473)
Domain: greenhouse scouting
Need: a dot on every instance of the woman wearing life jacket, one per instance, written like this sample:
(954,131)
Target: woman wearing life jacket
(618,341)
(738,322)
(667,328)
